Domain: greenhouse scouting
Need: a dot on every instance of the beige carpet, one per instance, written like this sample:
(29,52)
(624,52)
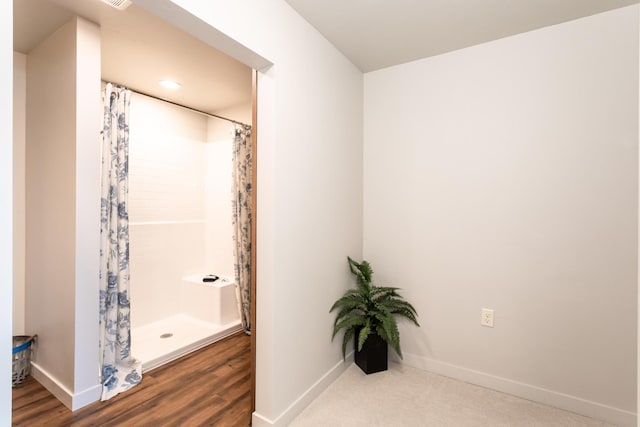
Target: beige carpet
(405,396)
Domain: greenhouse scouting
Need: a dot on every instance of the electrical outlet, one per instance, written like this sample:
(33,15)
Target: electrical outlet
(486,318)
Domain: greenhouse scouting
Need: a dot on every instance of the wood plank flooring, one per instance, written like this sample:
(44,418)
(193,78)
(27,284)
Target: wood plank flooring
(210,387)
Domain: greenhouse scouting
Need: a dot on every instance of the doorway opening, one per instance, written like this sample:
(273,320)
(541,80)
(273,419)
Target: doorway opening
(207,86)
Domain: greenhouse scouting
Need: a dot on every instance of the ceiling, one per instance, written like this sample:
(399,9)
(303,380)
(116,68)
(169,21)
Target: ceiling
(138,50)
(375,34)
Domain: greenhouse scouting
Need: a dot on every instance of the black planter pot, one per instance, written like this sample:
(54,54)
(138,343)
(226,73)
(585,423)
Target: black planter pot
(373,357)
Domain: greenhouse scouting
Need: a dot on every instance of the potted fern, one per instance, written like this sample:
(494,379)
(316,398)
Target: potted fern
(368,314)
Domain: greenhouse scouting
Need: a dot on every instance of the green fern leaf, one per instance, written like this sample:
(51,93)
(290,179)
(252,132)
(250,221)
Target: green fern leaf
(378,292)
(400,307)
(390,329)
(348,334)
(364,334)
(370,309)
(353,301)
(363,273)
(348,322)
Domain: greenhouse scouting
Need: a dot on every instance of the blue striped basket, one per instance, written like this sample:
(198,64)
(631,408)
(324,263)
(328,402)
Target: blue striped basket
(21,364)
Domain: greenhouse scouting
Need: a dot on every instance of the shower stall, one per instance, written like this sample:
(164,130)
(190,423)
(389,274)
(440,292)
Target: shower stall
(180,228)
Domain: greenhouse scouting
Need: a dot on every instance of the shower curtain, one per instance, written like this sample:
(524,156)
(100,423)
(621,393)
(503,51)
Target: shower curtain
(241,219)
(119,371)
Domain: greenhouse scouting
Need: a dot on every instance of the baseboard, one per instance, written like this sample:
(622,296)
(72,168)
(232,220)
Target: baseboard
(49,382)
(62,393)
(567,402)
(86,397)
(258,420)
(305,399)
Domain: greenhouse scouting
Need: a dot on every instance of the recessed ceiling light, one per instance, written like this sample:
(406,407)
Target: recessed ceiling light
(118,4)
(169,84)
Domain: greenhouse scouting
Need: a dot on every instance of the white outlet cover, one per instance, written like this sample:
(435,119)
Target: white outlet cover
(486,317)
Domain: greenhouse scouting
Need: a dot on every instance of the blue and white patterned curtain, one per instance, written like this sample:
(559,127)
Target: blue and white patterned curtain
(119,370)
(241,219)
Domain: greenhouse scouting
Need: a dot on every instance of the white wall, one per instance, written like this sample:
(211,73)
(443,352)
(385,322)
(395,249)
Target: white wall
(179,208)
(340,106)
(309,189)
(219,129)
(166,205)
(218,183)
(505,176)
(62,210)
(19,128)
(50,183)
(88,116)
(6,204)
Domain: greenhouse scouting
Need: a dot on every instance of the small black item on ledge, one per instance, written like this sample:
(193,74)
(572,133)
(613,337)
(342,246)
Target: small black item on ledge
(210,278)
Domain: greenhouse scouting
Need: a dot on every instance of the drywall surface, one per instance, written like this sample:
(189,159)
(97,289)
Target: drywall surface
(219,130)
(505,176)
(62,209)
(19,128)
(88,116)
(50,201)
(6,203)
(309,189)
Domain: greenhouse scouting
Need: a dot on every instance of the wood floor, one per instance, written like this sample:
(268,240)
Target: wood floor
(211,387)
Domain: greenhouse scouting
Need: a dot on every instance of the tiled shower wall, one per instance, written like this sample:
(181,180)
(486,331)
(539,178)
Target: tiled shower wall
(175,181)
(219,238)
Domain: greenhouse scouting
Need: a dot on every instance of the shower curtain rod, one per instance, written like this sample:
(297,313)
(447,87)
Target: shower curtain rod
(183,106)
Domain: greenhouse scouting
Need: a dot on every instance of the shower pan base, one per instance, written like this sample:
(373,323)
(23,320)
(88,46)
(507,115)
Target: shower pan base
(168,339)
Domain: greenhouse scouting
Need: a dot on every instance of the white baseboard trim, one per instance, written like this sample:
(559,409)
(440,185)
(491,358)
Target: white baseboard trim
(48,381)
(258,420)
(305,399)
(86,397)
(567,402)
(62,393)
